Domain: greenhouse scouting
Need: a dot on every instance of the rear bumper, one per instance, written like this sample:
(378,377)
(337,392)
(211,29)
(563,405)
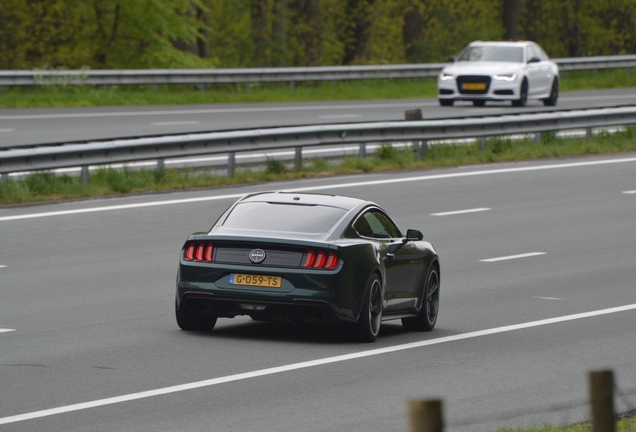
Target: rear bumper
(259,307)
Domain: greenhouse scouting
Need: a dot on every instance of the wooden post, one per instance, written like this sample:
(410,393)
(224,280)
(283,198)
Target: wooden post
(425,416)
(601,386)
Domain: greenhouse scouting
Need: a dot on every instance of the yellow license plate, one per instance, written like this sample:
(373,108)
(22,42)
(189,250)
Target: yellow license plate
(256,280)
(474,86)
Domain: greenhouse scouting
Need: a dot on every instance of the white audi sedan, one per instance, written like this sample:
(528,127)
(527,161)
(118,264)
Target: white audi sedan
(499,71)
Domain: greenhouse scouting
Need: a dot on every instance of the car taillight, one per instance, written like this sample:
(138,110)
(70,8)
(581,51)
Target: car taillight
(320,260)
(198,252)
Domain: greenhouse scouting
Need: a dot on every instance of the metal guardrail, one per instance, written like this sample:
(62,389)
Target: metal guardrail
(104,152)
(253,75)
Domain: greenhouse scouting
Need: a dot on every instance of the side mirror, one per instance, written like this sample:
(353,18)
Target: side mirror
(452,59)
(534,60)
(414,235)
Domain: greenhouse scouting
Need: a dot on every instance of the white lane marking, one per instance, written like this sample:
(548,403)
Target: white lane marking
(308,364)
(7,130)
(218,111)
(3,266)
(512,257)
(341,116)
(456,212)
(331,186)
(175,123)
(6,330)
(548,298)
(120,207)
(630,192)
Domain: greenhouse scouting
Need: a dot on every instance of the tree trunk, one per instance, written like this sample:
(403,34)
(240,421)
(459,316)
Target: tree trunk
(279,33)
(412,31)
(360,13)
(531,23)
(202,39)
(511,19)
(313,38)
(259,31)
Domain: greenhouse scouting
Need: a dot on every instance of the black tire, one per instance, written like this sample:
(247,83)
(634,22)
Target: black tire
(427,317)
(554,94)
(523,95)
(479,103)
(193,320)
(446,102)
(368,326)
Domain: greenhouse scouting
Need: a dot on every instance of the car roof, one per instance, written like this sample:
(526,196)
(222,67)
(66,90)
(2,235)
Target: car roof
(300,198)
(502,43)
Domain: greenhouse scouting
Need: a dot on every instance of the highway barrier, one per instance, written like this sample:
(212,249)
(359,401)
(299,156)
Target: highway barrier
(262,75)
(106,152)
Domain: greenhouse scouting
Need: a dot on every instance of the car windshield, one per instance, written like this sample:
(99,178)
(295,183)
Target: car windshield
(264,216)
(492,53)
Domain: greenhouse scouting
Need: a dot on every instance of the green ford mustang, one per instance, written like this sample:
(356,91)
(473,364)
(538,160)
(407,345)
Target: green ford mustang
(308,257)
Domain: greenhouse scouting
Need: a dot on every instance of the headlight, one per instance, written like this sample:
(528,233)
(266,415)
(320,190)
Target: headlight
(446,76)
(506,77)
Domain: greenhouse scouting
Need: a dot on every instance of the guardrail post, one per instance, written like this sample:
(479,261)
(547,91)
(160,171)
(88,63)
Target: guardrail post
(425,416)
(588,133)
(482,144)
(601,385)
(415,115)
(292,84)
(231,164)
(424,148)
(537,138)
(84,175)
(298,158)
(4,177)
(362,150)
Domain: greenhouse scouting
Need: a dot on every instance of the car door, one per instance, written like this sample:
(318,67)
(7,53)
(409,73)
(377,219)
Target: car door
(534,72)
(402,267)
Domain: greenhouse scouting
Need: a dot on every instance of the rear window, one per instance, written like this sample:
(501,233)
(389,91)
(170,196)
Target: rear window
(296,218)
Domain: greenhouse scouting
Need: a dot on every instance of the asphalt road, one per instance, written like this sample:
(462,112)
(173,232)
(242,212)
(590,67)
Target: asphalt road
(40,126)
(87,289)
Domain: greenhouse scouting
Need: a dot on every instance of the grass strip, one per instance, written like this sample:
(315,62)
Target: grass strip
(46,186)
(625,425)
(87,96)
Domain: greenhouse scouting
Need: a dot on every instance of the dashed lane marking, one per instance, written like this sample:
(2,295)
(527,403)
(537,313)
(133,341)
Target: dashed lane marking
(457,212)
(513,257)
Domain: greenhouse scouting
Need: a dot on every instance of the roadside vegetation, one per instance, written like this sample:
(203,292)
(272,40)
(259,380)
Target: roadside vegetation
(86,96)
(44,186)
(626,425)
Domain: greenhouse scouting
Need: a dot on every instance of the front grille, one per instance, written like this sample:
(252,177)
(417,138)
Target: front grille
(467,84)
